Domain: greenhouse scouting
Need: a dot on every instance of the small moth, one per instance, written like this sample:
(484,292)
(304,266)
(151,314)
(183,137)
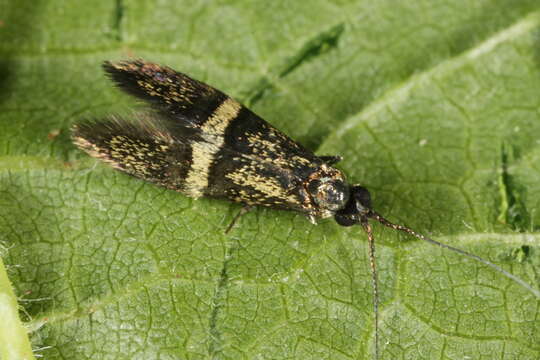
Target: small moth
(196,140)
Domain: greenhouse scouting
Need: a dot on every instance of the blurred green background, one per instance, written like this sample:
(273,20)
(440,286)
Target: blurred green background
(434,105)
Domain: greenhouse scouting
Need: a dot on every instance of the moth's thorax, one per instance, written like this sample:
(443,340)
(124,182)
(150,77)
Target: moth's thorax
(327,191)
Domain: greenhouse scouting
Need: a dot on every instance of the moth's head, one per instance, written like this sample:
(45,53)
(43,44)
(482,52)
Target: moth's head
(328,190)
(357,208)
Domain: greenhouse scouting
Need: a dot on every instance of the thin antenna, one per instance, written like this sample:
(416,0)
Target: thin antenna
(372,214)
(371,242)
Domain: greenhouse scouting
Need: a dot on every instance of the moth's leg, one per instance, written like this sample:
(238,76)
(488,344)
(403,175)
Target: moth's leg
(331,160)
(245,209)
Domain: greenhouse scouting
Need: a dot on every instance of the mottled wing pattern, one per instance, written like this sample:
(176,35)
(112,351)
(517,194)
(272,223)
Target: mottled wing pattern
(141,148)
(176,95)
(266,167)
(199,141)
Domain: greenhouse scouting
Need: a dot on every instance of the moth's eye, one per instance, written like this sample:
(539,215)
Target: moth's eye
(361,195)
(329,194)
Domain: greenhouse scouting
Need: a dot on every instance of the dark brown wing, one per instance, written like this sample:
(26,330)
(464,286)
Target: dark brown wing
(199,142)
(174,94)
(143,148)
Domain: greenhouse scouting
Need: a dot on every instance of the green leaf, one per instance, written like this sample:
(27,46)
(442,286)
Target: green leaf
(14,342)
(434,106)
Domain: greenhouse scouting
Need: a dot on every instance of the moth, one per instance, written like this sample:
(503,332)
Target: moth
(198,141)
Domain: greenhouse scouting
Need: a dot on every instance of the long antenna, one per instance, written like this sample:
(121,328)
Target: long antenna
(371,242)
(372,214)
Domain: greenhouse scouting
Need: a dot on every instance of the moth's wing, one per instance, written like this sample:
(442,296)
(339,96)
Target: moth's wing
(243,169)
(192,103)
(236,155)
(176,95)
(259,165)
(142,147)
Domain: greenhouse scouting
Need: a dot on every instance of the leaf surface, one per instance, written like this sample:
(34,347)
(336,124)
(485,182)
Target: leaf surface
(433,104)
